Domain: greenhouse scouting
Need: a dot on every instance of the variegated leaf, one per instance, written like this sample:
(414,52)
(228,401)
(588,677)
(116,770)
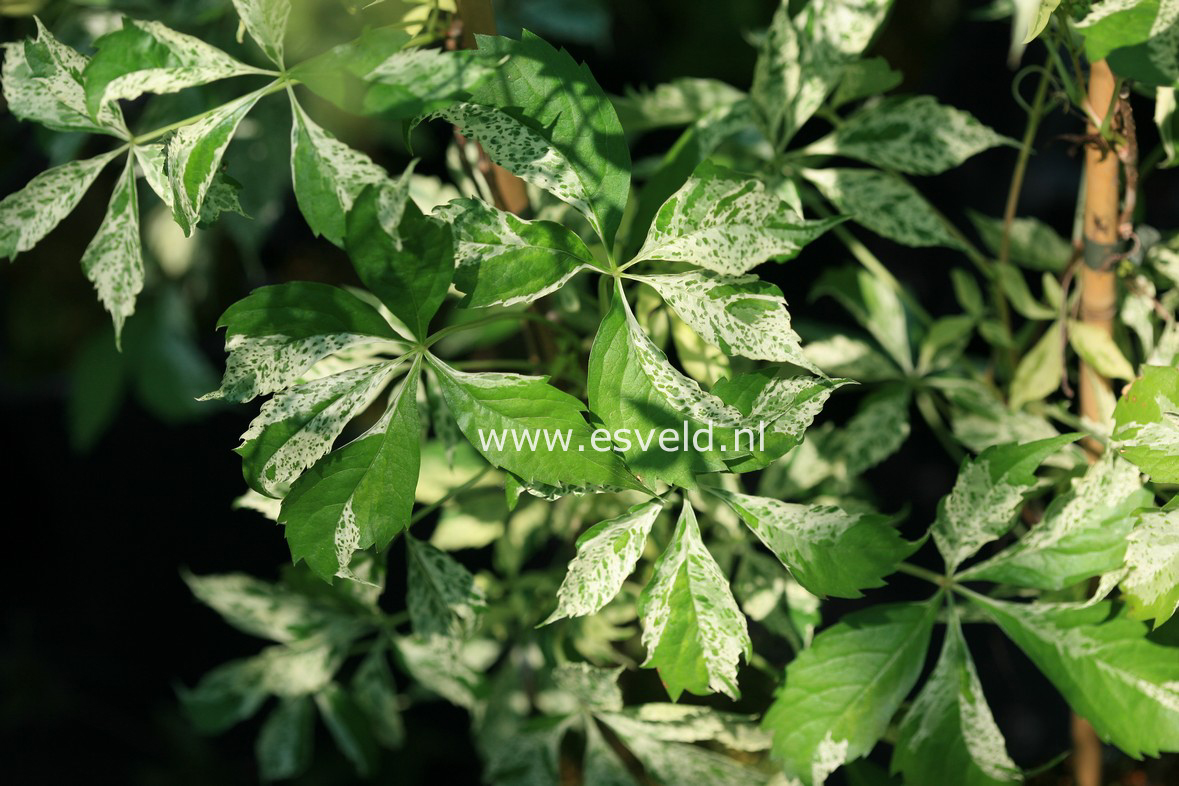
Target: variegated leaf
(266,20)
(692,629)
(1151,585)
(153,160)
(43,83)
(30,214)
(113,261)
(741,315)
(728,224)
(442,596)
(606,554)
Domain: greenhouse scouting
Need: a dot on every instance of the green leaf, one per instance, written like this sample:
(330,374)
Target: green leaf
(560,101)
(1033,244)
(266,21)
(526,412)
(1083,533)
(728,224)
(277,333)
(442,597)
(1151,584)
(259,608)
(1167,121)
(504,260)
(802,60)
(375,694)
(150,57)
(913,134)
(949,735)
(829,551)
(409,270)
(370,76)
(285,741)
(194,158)
(1097,348)
(875,305)
(1039,372)
(43,83)
(113,261)
(1110,673)
(692,629)
(864,78)
(1139,37)
(360,495)
(298,426)
(987,495)
(944,343)
(606,554)
(30,214)
(349,728)
(1016,288)
(740,315)
(884,203)
(328,175)
(1146,423)
(679,102)
(841,692)
(226,696)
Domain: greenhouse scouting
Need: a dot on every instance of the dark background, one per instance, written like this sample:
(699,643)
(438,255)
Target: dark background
(97,628)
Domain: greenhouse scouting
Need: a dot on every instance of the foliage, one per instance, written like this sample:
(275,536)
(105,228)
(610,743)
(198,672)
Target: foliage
(638,286)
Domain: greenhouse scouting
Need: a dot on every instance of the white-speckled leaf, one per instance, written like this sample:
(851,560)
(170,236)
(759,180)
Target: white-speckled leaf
(153,161)
(884,203)
(741,315)
(949,734)
(30,214)
(1082,534)
(267,22)
(692,629)
(595,688)
(689,764)
(299,425)
(987,495)
(194,156)
(726,223)
(1151,587)
(150,57)
(690,723)
(606,554)
(877,430)
(912,134)
(113,261)
(525,153)
(258,607)
(442,597)
(43,83)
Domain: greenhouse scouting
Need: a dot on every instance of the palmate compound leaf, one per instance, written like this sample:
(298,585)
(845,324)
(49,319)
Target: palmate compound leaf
(801,60)
(30,214)
(194,158)
(328,176)
(606,554)
(1082,534)
(641,398)
(1122,682)
(409,268)
(560,100)
(276,334)
(1146,423)
(728,224)
(1150,586)
(987,495)
(266,21)
(530,428)
(503,260)
(884,203)
(692,629)
(913,134)
(113,261)
(949,735)
(841,692)
(740,315)
(43,83)
(829,551)
(149,57)
(442,596)
(360,495)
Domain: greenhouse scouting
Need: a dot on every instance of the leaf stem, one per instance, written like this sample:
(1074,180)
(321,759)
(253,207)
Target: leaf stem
(278,84)
(498,317)
(454,492)
(924,573)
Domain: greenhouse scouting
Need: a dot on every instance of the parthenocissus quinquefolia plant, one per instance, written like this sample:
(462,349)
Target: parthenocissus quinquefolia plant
(633,287)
